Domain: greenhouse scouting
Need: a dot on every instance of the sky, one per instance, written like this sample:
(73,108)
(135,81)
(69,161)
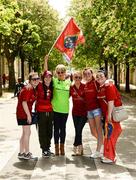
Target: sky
(60,6)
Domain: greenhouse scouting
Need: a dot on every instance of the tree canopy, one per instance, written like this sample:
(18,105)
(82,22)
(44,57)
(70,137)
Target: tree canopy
(28,29)
(109,29)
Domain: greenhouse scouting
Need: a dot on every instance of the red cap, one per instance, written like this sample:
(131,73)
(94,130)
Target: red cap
(47,73)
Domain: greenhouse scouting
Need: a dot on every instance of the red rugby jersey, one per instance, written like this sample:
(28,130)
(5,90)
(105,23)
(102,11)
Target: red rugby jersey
(90,95)
(108,93)
(42,104)
(28,95)
(78,100)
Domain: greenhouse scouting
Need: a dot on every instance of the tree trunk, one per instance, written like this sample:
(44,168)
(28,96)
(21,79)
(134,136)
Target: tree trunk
(21,54)
(0,66)
(106,65)
(119,76)
(100,58)
(11,72)
(29,68)
(22,69)
(127,87)
(115,73)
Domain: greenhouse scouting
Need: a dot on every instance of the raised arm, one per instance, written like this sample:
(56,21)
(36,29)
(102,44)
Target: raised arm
(46,62)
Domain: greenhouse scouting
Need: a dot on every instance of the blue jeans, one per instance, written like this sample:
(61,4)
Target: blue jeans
(79,122)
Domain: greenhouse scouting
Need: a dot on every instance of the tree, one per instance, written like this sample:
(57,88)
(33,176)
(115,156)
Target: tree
(5,16)
(22,32)
(112,26)
(47,19)
(28,29)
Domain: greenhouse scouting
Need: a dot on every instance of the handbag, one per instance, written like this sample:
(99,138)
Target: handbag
(34,118)
(119,114)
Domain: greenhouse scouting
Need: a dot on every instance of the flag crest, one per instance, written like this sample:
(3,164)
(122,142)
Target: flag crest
(70,41)
(70,37)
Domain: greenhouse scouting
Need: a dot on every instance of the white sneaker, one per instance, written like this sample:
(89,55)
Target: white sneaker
(29,156)
(96,154)
(107,161)
(20,155)
(102,157)
(74,151)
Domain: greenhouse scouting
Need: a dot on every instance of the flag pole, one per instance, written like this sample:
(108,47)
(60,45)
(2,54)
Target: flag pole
(58,37)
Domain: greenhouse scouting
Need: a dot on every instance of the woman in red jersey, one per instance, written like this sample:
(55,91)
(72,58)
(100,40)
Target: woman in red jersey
(26,99)
(93,110)
(45,113)
(78,111)
(109,97)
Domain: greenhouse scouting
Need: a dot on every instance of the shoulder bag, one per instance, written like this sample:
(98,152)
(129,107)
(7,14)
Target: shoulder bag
(119,114)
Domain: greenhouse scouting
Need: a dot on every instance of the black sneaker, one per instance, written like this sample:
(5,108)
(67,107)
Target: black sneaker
(20,155)
(29,156)
(46,154)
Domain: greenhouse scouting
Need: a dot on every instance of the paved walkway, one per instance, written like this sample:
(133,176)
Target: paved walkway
(64,167)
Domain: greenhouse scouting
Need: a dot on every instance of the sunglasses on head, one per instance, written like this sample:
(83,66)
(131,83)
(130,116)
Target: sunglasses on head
(34,79)
(88,73)
(60,72)
(78,77)
(100,76)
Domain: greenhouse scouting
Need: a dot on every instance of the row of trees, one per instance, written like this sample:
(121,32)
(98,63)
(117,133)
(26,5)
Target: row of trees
(109,28)
(28,29)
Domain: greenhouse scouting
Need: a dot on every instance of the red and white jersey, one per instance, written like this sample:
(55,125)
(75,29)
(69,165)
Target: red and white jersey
(90,95)
(79,108)
(108,93)
(42,104)
(28,95)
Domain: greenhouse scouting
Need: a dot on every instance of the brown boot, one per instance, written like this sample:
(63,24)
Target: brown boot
(62,152)
(57,149)
(82,149)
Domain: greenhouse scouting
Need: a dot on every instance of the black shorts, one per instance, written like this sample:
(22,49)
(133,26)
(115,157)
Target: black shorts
(22,122)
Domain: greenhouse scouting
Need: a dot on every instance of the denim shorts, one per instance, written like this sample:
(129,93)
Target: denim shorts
(92,114)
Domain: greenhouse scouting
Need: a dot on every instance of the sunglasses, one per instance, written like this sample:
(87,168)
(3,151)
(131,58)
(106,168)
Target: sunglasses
(34,79)
(60,72)
(78,77)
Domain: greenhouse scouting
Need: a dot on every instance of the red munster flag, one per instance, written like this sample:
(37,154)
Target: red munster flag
(111,136)
(70,37)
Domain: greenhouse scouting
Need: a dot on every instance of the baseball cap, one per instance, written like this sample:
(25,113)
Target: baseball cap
(47,73)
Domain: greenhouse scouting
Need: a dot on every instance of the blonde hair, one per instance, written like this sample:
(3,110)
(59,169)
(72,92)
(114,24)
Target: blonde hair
(77,72)
(60,67)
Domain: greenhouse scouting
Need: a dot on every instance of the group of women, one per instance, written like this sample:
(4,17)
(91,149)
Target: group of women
(92,97)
